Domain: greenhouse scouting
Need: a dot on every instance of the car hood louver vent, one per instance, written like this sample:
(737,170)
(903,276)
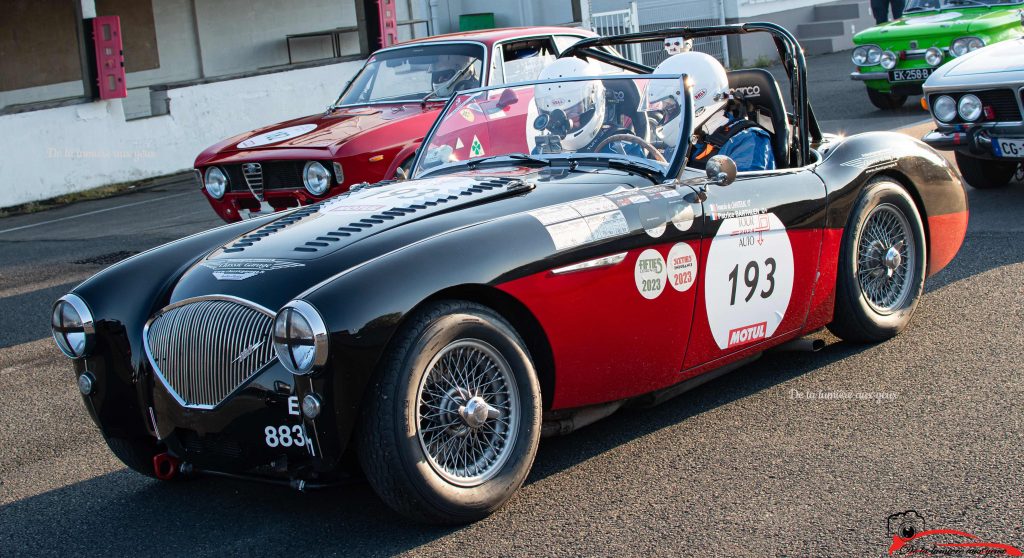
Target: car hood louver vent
(330,225)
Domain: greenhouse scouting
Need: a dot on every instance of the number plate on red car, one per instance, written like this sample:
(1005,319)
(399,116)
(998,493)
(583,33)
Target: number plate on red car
(915,74)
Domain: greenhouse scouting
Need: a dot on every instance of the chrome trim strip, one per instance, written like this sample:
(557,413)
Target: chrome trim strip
(595,263)
(858,76)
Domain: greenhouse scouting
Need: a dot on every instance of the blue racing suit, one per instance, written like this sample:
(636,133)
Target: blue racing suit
(741,140)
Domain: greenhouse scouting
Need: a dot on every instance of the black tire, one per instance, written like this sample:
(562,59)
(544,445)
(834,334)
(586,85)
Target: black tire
(137,454)
(885,101)
(858,317)
(985,174)
(392,455)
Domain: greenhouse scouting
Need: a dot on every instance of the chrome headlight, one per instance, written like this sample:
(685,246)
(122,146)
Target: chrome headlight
(216,182)
(888,60)
(969,108)
(963,45)
(933,56)
(316,178)
(72,326)
(944,108)
(300,337)
(867,55)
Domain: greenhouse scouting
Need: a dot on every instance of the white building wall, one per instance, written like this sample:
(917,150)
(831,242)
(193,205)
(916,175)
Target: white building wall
(84,146)
(244,35)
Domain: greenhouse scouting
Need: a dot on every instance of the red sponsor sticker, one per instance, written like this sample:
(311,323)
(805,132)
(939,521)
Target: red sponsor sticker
(746,334)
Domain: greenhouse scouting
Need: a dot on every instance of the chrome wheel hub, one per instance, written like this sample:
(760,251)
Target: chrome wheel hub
(886,252)
(467,412)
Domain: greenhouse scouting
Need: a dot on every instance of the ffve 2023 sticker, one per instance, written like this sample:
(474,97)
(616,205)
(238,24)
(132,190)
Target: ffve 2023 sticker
(749,279)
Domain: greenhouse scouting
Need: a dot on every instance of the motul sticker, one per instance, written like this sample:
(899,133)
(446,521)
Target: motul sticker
(649,274)
(748,279)
(746,334)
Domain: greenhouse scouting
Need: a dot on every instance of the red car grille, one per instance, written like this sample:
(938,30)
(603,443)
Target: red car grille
(277,175)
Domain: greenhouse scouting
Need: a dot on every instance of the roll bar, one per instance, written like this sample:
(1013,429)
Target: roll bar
(790,52)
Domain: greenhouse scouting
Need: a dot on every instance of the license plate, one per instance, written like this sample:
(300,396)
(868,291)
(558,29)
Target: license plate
(1008,148)
(915,74)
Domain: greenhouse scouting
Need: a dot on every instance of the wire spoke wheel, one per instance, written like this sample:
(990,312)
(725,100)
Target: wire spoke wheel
(467,413)
(886,252)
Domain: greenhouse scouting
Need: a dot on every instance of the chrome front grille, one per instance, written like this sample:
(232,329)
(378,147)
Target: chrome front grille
(253,173)
(204,349)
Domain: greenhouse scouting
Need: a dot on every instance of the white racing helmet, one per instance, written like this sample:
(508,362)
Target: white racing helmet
(574,109)
(710,91)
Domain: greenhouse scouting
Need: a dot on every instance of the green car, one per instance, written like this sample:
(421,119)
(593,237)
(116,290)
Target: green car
(893,59)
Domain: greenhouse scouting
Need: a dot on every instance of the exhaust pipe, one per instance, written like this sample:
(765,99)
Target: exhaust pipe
(803,345)
(165,466)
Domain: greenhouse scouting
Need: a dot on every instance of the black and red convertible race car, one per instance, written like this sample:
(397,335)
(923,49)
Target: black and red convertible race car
(429,331)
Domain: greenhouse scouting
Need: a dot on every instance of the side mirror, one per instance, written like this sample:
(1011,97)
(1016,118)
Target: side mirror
(507,99)
(721,170)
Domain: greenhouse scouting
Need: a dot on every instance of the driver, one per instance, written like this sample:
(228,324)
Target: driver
(721,126)
(575,114)
(451,67)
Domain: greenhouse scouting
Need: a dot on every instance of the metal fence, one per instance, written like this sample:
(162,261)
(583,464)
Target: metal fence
(652,15)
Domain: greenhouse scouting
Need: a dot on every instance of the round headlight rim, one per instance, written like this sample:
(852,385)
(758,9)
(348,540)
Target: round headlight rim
(874,55)
(88,326)
(892,56)
(321,344)
(938,53)
(960,110)
(305,178)
(935,109)
(860,50)
(206,181)
(966,43)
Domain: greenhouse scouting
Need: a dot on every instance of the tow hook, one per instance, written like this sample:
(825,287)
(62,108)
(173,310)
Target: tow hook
(165,466)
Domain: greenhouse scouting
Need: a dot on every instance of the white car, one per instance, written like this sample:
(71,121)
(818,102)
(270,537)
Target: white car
(977,103)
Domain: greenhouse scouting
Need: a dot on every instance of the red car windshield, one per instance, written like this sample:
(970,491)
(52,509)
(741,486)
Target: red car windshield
(411,73)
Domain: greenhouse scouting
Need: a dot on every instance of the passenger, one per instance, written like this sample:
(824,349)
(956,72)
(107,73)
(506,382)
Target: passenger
(721,126)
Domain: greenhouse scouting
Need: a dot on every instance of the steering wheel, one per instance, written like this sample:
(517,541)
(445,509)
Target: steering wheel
(630,138)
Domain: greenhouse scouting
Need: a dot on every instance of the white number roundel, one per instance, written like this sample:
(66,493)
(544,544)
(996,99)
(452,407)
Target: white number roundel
(749,280)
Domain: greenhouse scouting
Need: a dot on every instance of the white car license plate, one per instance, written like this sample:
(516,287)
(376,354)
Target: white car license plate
(1006,147)
(915,74)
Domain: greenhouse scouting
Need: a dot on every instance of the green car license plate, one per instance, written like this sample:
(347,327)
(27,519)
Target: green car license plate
(1006,147)
(914,74)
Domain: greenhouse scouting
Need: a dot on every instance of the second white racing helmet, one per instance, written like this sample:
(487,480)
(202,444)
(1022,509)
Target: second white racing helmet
(710,91)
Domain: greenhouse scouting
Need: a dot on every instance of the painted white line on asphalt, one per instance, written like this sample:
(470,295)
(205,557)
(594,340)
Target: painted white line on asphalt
(51,221)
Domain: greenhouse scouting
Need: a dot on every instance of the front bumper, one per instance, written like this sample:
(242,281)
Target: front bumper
(236,206)
(976,140)
(867,76)
(880,81)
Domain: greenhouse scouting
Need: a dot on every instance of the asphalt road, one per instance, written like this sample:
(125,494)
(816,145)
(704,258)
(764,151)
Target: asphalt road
(747,465)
